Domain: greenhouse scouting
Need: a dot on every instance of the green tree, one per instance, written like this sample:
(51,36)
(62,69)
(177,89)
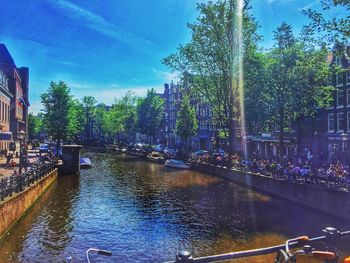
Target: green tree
(331,28)
(60,115)
(122,116)
(297,83)
(186,123)
(77,120)
(214,58)
(89,106)
(150,114)
(34,126)
(102,121)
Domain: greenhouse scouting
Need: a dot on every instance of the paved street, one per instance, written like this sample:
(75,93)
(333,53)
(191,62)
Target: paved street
(33,157)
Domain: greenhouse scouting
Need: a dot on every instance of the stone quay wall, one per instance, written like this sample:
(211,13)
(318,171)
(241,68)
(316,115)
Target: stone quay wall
(320,198)
(12,208)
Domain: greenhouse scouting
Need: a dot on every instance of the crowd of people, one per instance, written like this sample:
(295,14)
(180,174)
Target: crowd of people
(331,175)
(27,162)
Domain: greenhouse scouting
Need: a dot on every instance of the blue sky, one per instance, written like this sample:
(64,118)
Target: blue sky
(105,47)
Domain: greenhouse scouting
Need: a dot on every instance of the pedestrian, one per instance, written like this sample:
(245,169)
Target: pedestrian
(8,159)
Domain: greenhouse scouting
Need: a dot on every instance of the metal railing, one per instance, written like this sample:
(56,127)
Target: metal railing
(17,183)
(316,178)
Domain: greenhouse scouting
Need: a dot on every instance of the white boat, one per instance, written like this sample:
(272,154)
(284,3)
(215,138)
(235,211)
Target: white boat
(155,157)
(85,163)
(177,164)
(109,146)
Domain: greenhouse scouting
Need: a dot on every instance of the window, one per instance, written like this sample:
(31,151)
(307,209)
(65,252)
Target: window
(339,79)
(348,97)
(348,120)
(348,77)
(340,98)
(340,121)
(338,60)
(331,122)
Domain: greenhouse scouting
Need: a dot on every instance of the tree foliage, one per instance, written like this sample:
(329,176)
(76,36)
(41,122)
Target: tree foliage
(89,108)
(122,116)
(297,81)
(186,123)
(34,126)
(334,28)
(150,113)
(61,112)
(213,58)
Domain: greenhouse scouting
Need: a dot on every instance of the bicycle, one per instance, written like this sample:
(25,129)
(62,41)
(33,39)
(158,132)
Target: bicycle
(331,241)
(87,254)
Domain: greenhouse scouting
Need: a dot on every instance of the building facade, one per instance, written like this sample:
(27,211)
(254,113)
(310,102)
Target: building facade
(18,85)
(325,137)
(334,122)
(207,130)
(5,102)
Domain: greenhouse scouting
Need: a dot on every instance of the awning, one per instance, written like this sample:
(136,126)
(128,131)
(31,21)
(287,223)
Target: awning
(6,136)
(21,100)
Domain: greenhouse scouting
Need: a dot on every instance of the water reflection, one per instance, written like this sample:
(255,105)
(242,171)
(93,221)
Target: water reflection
(144,213)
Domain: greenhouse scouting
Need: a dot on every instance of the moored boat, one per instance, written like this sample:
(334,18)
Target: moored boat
(109,146)
(155,157)
(177,164)
(85,163)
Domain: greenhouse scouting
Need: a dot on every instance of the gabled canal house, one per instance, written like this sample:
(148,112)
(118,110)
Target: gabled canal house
(334,122)
(5,101)
(207,133)
(18,79)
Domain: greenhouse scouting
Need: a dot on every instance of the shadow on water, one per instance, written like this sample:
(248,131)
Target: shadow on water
(134,207)
(46,227)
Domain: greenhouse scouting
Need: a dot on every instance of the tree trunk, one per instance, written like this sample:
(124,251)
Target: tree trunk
(281,137)
(58,142)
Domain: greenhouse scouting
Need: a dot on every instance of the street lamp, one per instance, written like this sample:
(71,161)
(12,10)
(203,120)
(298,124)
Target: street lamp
(21,135)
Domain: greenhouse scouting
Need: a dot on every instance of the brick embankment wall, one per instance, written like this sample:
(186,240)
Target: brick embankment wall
(320,198)
(12,208)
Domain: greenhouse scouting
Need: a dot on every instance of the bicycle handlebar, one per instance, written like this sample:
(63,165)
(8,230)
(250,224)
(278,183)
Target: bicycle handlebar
(186,257)
(104,253)
(99,251)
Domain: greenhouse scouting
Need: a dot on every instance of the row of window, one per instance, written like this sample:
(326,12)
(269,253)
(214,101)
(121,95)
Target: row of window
(203,112)
(174,97)
(3,80)
(341,99)
(4,112)
(172,115)
(207,125)
(339,124)
(339,78)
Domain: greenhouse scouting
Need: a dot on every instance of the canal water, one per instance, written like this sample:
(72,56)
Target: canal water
(145,213)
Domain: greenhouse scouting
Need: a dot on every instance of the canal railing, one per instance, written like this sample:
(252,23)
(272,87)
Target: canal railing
(335,183)
(329,244)
(17,183)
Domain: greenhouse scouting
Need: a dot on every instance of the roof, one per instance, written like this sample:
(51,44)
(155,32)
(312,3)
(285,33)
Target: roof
(5,56)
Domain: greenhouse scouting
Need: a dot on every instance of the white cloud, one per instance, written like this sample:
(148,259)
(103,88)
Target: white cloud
(310,5)
(167,76)
(101,25)
(270,2)
(103,94)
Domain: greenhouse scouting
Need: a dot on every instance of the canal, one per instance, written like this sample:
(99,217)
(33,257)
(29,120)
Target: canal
(144,213)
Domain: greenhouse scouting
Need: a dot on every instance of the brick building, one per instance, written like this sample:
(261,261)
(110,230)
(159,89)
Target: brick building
(325,137)
(333,123)
(5,101)
(18,80)
(207,130)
